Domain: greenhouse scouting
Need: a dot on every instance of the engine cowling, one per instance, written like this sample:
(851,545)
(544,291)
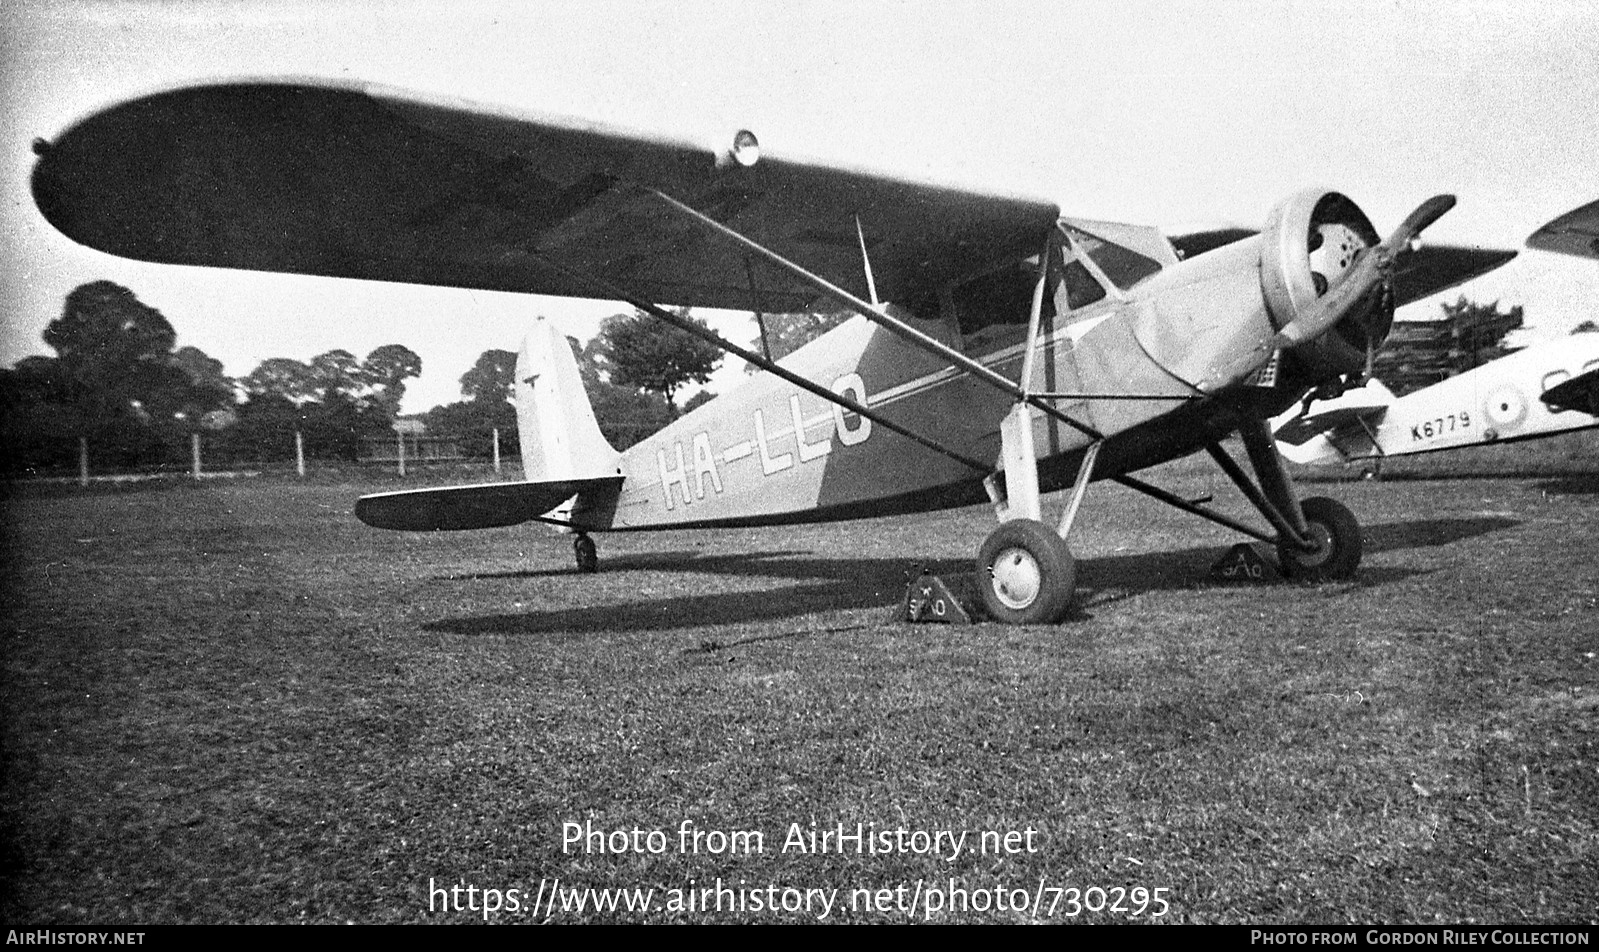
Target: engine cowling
(1309,242)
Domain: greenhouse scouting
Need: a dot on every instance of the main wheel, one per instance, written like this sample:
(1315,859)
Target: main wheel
(1027,573)
(588,556)
(1336,533)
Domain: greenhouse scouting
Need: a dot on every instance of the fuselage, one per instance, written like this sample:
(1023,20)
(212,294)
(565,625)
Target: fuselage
(768,452)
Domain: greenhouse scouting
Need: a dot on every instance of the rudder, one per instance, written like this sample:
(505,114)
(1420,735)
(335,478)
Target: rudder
(560,438)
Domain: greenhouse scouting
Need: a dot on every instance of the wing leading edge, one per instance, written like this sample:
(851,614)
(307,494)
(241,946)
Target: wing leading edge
(365,182)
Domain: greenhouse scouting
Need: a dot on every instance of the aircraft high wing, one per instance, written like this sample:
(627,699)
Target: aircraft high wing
(366,182)
(1023,351)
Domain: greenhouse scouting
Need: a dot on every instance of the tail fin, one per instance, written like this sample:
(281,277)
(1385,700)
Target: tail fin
(560,438)
(565,459)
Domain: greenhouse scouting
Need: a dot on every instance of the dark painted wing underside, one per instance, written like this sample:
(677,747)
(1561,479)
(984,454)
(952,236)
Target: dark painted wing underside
(1574,233)
(1421,272)
(364,183)
(1433,268)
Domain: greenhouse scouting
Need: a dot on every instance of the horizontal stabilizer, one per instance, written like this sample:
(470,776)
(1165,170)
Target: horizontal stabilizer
(486,506)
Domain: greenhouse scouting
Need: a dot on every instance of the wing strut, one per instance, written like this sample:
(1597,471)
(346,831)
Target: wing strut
(866,262)
(1172,499)
(760,318)
(1273,515)
(876,316)
(618,293)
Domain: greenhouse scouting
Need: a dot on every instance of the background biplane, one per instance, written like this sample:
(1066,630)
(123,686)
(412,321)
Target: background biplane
(1023,351)
(1574,233)
(1542,390)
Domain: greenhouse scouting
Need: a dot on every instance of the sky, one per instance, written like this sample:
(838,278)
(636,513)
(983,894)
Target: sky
(1164,113)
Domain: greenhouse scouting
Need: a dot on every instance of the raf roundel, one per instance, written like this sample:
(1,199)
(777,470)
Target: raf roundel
(1505,407)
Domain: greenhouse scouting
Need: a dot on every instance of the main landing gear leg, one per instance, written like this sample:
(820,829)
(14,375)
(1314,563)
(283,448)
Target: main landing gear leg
(588,556)
(1317,540)
(1025,568)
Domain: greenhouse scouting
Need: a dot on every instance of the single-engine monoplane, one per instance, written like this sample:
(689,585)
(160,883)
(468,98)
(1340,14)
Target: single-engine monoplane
(1000,349)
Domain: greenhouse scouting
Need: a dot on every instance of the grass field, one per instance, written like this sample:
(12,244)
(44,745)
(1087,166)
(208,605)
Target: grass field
(234,703)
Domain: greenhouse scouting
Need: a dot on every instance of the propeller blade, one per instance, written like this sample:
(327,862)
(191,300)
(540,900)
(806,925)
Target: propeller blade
(1425,214)
(1373,267)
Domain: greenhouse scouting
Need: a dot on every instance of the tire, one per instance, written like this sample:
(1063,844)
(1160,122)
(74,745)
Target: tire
(588,555)
(1026,573)
(1337,534)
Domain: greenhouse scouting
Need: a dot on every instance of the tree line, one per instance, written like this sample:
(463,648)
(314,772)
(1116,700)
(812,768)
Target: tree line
(120,384)
(1419,354)
(632,371)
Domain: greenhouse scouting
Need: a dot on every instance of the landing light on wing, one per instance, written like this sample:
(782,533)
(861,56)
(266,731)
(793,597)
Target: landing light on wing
(746,150)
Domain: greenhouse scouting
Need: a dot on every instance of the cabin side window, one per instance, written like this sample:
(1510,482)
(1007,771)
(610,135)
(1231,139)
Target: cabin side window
(1122,265)
(999,297)
(992,308)
(1078,288)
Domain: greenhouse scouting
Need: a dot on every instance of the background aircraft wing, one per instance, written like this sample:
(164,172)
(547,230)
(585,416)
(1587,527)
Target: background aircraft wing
(365,182)
(1302,428)
(1356,410)
(1424,271)
(1574,233)
(1433,268)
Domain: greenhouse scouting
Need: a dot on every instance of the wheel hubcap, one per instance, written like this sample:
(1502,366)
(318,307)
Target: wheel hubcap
(1321,538)
(1016,578)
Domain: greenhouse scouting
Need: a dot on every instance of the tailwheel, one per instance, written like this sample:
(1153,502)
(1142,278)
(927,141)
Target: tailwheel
(1027,573)
(588,556)
(1336,533)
